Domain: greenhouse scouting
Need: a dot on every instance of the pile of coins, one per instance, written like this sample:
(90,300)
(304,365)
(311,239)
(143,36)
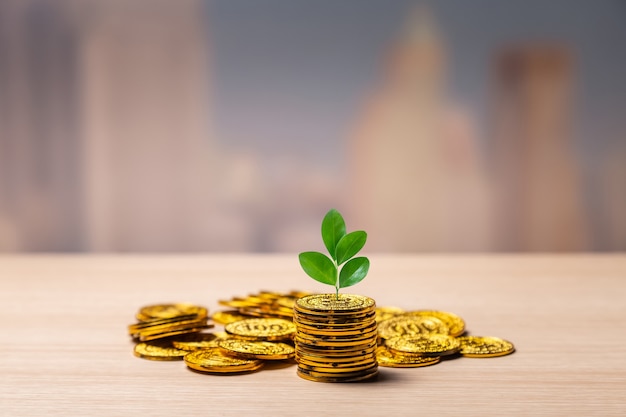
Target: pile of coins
(167,332)
(263,304)
(166,320)
(424,337)
(336,337)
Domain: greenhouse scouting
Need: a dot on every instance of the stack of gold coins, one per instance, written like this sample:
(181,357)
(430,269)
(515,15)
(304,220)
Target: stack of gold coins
(165,320)
(336,337)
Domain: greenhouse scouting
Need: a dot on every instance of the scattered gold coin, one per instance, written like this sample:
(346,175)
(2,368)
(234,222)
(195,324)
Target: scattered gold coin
(213,360)
(409,325)
(158,352)
(392,360)
(257,350)
(262,328)
(426,345)
(485,347)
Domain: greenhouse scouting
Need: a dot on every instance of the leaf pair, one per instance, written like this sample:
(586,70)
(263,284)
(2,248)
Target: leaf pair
(342,248)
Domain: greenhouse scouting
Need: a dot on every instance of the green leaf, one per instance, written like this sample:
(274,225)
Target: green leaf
(319,267)
(353,272)
(333,229)
(350,245)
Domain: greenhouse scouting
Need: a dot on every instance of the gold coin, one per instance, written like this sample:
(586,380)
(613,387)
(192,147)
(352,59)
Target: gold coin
(407,325)
(168,311)
(171,326)
(262,328)
(337,340)
(455,324)
(370,331)
(257,350)
(228,316)
(389,359)
(330,303)
(158,352)
(338,371)
(427,345)
(213,360)
(384,313)
(331,363)
(135,328)
(485,347)
(332,333)
(365,376)
(339,348)
(321,357)
(171,333)
(196,341)
(334,322)
(370,370)
(334,353)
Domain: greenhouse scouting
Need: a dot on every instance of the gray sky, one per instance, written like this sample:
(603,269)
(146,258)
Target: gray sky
(291,74)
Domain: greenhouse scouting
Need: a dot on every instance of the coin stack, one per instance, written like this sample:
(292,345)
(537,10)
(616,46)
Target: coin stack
(336,337)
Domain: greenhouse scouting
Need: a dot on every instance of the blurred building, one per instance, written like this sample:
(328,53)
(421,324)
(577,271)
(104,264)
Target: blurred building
(41,169)
(105,140)
(537,178)
(416,177)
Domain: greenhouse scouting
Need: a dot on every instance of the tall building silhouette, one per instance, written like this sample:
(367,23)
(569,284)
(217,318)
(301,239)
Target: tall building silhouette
(538,188)
(105,142)
(416,179)
(41,184)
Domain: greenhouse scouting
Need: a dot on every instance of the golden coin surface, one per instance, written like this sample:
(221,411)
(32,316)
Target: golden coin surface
(337,371)
(183,324)
(384,313)
(262,328)
(213,360)
(485,347)
(343,377)
(455,324)
(331,363)
(158,352)
(407,325)
(168,311)
(335,322)
(172,333)
(427,345)
(228,316)
(308,377)
(258,350)
(195,341)
(330,303)
(335,332)
(148,324)
(333,353)
(389,359)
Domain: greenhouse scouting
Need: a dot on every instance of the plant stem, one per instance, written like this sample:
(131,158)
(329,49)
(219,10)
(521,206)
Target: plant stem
(336,279)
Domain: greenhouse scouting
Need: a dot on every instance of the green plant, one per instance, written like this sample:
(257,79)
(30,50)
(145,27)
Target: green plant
(341,269)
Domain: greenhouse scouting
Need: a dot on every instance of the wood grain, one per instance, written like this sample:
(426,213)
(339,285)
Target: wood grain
(64,349)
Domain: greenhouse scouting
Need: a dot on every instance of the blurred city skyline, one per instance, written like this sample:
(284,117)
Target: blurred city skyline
(234,125)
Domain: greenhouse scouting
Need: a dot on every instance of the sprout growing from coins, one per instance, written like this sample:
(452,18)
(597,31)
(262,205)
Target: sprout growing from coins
(341,269)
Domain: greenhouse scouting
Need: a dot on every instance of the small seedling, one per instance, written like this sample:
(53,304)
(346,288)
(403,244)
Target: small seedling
(341,269)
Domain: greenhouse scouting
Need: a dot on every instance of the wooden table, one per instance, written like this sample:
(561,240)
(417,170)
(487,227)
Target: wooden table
(64,349)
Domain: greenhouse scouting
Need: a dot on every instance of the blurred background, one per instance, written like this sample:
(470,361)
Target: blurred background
(234,125)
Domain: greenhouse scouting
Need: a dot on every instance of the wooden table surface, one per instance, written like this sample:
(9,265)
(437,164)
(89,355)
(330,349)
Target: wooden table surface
(64,349)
